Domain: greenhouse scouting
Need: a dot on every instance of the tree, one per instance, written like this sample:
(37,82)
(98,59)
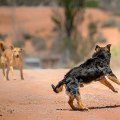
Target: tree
(68,24)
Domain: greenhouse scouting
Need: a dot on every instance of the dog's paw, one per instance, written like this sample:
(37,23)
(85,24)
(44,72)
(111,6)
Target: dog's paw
(75,109)
(85,109)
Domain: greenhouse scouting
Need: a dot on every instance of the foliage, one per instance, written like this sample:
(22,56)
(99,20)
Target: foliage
(26,2)
(101,38)
(92,28)
(2,36)
(68,25)
(68,22)
(38,43)
(110,5)
(18,43)
(26,35)
(92,3)
(109,23)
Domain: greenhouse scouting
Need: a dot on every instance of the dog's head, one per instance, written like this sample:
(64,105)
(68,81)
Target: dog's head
(103,53)
(17,52)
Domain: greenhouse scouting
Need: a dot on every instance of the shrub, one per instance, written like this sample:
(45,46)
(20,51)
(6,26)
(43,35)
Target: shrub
(39,43)
(92,3)
(18,43)
(109,23)
(101,38)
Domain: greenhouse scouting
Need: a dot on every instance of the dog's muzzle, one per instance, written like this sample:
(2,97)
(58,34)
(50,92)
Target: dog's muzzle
(17,56)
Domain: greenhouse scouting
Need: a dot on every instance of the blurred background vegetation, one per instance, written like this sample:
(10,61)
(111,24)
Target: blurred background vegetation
(60,33)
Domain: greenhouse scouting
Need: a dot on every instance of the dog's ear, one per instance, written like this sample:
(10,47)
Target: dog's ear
(21,49)
(97,48)
(108,47)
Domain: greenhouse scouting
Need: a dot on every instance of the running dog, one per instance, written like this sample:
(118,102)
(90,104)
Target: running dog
(94,69)
(11,57)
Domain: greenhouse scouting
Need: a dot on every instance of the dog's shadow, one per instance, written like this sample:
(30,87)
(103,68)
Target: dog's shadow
(91,108)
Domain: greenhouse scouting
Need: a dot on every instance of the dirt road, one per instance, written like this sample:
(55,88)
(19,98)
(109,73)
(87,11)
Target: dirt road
(33,99)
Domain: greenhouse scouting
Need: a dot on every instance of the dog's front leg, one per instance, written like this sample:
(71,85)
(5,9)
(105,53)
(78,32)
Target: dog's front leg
(21,73)
(12,71)
(114,79)
(108,72)
(107,84)
(7,73)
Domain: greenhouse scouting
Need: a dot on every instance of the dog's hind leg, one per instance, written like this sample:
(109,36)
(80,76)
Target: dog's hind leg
(21,73)
(114,79)
(12,71)
(80,104)
(107,84)
(70,102)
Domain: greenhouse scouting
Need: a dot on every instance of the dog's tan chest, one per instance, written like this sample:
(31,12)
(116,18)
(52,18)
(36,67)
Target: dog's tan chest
(17,62)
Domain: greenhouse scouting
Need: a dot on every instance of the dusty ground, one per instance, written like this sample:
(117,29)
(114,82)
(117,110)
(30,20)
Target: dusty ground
(33,99)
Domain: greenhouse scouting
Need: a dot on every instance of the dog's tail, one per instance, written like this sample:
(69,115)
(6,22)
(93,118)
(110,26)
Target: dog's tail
(2,46)
(59,87)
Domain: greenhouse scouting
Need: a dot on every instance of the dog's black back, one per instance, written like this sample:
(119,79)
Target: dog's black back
(93,68)
(90,70)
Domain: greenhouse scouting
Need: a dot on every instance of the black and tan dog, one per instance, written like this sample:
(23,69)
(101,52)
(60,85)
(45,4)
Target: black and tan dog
(94,69)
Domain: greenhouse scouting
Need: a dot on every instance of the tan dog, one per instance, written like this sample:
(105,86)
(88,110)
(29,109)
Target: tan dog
(18,60)
(10,58)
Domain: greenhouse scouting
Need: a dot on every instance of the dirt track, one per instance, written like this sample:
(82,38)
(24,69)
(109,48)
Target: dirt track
(33,99)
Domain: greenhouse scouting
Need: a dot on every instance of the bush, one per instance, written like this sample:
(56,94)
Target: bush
(3,36)
(109,23)
(39,43)
(18,43)
(101,38)
(110,5)
(26,35)
(92,3)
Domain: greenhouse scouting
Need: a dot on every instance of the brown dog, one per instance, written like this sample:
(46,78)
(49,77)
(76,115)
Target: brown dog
(10,58)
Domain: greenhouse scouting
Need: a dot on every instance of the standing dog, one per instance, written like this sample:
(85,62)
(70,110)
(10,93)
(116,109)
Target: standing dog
(94,69)
(10,58)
